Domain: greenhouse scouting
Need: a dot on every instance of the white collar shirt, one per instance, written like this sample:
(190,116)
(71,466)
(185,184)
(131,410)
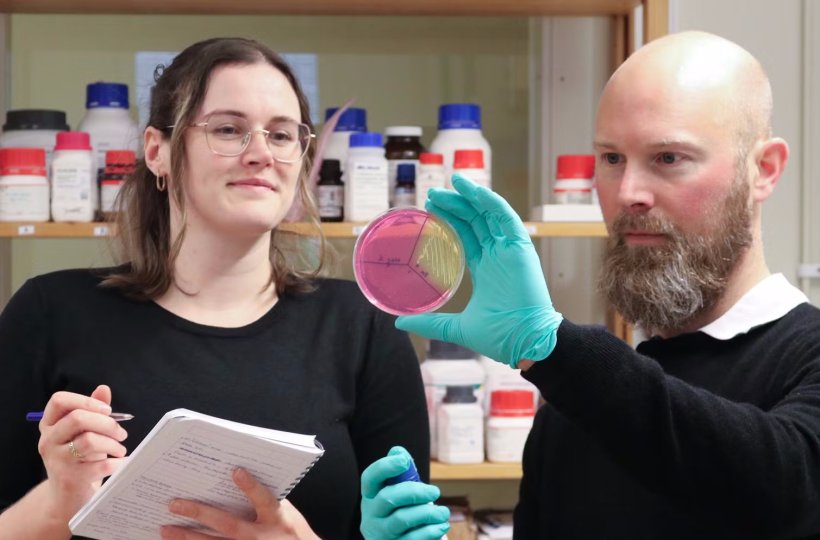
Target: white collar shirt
(767,301)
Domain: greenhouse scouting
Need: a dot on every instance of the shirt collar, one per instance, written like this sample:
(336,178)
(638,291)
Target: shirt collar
(767,301)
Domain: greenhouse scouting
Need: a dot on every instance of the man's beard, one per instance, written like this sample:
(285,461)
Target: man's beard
(665,287)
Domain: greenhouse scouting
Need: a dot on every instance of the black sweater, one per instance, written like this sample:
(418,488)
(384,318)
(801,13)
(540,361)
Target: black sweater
(324,363)
(689,437)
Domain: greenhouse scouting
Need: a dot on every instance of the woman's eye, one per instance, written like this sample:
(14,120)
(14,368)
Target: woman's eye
(281,135)
(226,130)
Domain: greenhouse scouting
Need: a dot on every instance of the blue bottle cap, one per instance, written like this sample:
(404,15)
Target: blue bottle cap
(353,119)
(410,475)
(459,116)
(103,94)
(405,173)
(366,139)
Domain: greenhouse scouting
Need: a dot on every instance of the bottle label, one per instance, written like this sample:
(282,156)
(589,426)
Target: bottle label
(427,179)
(108,194)
(71,198)
(404,197)
(366,193)
(331,201)
(23,201)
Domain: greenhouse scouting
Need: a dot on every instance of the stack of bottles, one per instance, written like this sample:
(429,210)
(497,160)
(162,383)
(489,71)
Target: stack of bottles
(381,172)
(477,408)
(69,188)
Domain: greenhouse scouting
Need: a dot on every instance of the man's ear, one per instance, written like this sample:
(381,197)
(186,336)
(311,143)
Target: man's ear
(771,158)
(152,140)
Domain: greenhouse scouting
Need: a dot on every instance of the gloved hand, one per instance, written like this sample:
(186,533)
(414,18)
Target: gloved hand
(509,316)
(402,511)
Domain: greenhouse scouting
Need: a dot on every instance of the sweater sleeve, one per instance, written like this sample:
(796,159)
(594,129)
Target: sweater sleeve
(23,347)
(390,404)
(756,470)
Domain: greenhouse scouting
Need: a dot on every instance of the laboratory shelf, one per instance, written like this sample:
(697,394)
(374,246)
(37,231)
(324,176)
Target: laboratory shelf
(479,471)
(325,7)
(331,230)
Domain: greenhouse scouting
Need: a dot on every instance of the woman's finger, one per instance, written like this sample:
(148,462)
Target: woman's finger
(220,521)
(78,422)
(63,403)
(89,446)
(264,502)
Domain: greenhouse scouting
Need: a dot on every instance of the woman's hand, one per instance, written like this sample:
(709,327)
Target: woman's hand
(274,519)
(80,445)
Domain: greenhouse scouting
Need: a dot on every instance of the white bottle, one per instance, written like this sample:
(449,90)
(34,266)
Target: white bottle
(470,163)
(502,377)
(352,120)
(109,124)
(23,185)
(33,128)
(447,364)
(73,178)
(509,424)
(459,127)
(365,178)
(574,179)
(460,427)
(430,175)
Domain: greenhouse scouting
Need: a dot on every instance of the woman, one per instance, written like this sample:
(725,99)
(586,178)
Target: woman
(208,313)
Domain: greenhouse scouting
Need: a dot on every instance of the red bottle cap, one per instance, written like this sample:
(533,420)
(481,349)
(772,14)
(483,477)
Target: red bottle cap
(430,158)
(73,140)
(24,161)
(468,159)
(512,403)
(120,157)
(575,166)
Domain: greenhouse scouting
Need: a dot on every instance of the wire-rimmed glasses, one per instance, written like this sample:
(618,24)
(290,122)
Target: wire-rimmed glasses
(230,135)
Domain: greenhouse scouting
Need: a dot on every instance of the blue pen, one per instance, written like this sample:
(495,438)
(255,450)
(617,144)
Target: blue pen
(119,417)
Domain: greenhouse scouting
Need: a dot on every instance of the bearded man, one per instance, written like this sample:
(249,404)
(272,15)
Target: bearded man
(711,428)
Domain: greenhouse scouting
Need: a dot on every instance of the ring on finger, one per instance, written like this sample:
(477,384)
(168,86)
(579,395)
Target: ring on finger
(73,449)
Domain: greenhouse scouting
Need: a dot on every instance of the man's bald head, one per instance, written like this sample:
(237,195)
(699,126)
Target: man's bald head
(726,83)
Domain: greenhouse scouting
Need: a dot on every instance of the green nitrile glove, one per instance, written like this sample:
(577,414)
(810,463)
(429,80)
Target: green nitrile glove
(509,316)
(402,511)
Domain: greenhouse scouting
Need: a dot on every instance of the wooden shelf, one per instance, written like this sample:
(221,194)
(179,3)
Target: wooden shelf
(325,7)
(480,471)
(331,230)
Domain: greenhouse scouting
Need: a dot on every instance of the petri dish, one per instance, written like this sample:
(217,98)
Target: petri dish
(408,261)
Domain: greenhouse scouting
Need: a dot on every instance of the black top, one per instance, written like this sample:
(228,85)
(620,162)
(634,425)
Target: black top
(324,363)
(689,437)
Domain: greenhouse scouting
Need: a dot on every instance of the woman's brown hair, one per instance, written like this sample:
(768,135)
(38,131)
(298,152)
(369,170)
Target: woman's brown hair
(143,222)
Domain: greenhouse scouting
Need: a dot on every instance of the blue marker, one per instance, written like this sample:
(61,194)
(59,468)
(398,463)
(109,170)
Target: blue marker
(410,475)
(36,416)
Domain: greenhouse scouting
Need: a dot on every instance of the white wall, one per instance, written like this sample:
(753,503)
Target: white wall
(775,32)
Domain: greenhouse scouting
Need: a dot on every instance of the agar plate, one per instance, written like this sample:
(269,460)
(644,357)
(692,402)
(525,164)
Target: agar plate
(408,261)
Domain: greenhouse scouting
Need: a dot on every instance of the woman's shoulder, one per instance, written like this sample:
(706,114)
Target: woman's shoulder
(71,283)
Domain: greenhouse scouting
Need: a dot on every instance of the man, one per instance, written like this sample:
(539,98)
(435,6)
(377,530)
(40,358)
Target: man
(711,429)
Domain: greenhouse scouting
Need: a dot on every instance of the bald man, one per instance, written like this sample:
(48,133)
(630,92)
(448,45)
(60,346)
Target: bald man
(711,428)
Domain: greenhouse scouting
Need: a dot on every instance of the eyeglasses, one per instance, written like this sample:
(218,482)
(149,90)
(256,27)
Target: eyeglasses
(230,135)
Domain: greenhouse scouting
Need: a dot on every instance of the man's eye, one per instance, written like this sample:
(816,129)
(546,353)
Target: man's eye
(612,158)
(668,158)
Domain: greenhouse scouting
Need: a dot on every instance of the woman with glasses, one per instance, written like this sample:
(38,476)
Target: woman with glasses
(211,310)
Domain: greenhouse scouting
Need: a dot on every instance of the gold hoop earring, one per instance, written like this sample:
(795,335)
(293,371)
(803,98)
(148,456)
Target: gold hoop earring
(161,183)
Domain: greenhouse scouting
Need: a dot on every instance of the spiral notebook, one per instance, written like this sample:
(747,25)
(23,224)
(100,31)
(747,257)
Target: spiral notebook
(191,455)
